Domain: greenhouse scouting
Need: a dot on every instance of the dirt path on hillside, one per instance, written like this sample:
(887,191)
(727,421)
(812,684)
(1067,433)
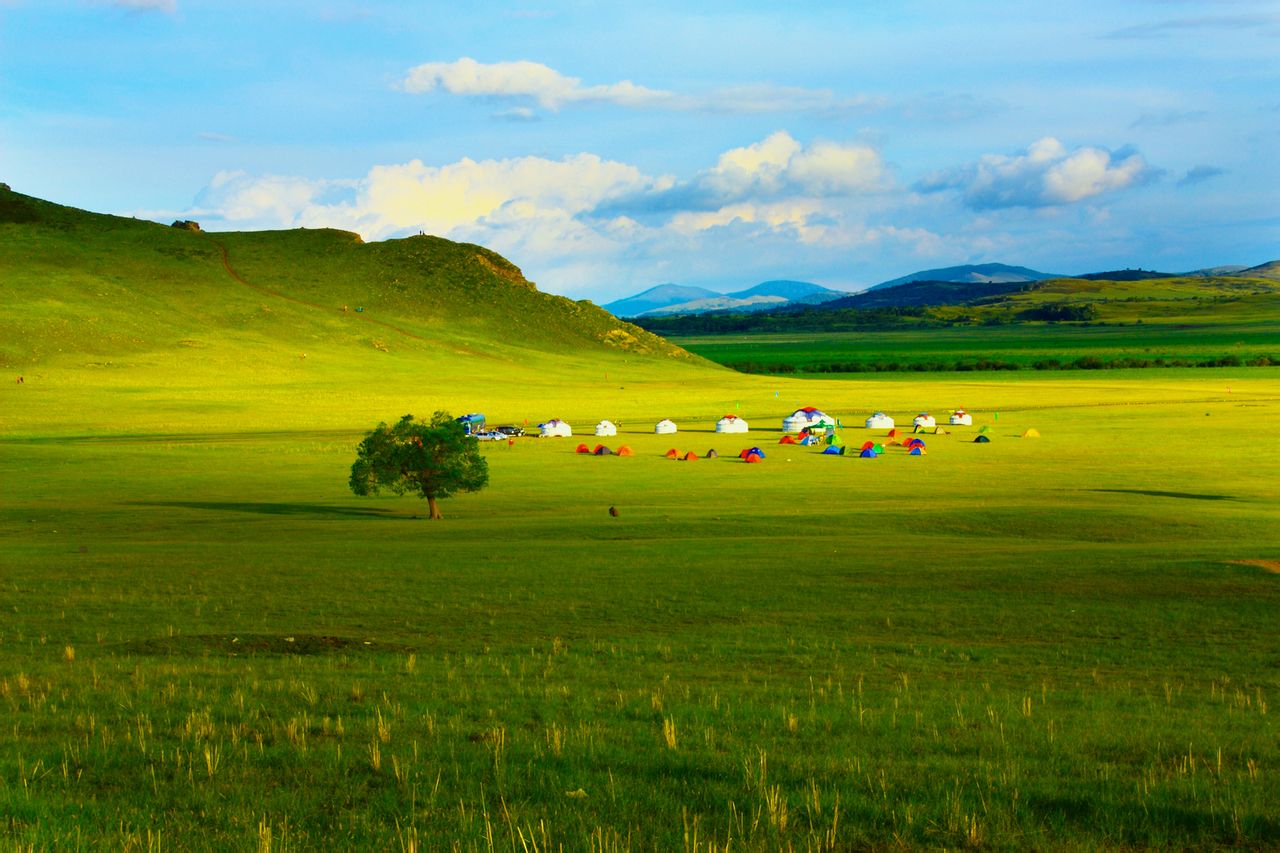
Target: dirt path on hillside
(231,271)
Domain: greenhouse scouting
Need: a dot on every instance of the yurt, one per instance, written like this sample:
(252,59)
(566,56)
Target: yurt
(924,419)
(731,423)
(606,428)
(666,426)
(807,418)
(555,428)
(879,421)
(961,418)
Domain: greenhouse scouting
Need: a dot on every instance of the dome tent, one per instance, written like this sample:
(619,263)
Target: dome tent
(731,423)
(924,419)
(666,426)
(961,418)
(582,448)
(605,428)
(555,428)
(625,450)
(807,418)
(879,421)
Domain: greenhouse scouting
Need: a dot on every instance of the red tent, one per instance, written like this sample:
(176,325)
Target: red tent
(786,439)
(752,457)
(673,454)
(582,448)
(868,445)
(690,456)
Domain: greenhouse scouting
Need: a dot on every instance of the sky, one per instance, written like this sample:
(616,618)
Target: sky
(608,147)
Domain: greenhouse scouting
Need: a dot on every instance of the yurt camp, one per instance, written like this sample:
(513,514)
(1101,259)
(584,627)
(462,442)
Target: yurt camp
(961,418)
(606,428)
(807,418)
(666,426)
(731,423)
(879,420)
(554,428)
(924,419)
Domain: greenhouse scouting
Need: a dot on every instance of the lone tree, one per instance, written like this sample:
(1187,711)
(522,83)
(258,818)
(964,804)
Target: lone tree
(434,460)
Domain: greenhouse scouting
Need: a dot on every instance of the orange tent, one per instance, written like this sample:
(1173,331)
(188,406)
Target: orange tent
(753,458)
(625,450)
(690,456)
(673,454)
(582,448)
(786,439)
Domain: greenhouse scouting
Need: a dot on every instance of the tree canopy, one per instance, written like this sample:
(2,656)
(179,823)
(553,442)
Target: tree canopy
(434,460)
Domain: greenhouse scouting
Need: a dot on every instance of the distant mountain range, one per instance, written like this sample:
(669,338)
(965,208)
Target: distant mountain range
(678,299)
(946,285)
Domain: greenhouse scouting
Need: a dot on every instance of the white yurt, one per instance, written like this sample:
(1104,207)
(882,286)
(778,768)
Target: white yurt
(961,418)
(731,423)
(807,418)
(924,419)
(879,421)
(606,428)
(666,426)
(555,428)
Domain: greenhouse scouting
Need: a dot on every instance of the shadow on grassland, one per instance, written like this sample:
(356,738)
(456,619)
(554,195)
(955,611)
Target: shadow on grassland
(295,509)
(1152,493)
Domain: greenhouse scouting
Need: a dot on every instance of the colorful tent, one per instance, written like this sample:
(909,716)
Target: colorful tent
(751,451)
(666,426)
(601,450)
(672,454)
(606,428)
(832,450)
(868,445)
(918,450)
(731,423)
(689,457)
(625,450)
(982,439)
(786,439)
(753,458)
(555,428)
(867,453)
(808,440)
(893,433)
(711,454)
(961,418)
(914,442)
(582,448)
(879,421)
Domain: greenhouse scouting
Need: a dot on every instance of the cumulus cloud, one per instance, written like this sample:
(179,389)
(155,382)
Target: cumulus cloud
(567,220)
(1045,175)
(540,84)
(533,80)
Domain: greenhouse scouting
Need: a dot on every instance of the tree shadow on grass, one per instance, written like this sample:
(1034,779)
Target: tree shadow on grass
(1153,493)
(294,509)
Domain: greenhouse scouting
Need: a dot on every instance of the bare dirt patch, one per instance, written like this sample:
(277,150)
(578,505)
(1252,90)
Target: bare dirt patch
(1272,566)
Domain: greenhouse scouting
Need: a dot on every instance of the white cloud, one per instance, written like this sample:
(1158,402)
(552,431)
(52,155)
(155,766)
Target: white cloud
(544,85)
(1045,175)
(549,89)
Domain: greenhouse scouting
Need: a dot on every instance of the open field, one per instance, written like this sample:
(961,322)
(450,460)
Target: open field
(1023,346)
(1064,641)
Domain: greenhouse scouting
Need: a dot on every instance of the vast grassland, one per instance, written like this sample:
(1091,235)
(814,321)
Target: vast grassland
(1035,642)
(209,643)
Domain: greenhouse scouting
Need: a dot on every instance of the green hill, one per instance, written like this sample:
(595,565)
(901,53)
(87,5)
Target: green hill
(83,284)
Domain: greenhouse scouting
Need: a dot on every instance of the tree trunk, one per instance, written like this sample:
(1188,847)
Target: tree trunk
(435,509)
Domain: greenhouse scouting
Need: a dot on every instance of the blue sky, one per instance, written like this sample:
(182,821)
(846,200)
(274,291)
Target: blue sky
(605,148)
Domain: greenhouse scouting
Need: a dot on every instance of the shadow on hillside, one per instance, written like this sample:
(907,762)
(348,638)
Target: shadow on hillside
(1191,496)
(297,509)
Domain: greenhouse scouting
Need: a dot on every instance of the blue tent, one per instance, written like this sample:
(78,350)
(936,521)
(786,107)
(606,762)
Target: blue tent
(833,451)
(757,451)
(982,439)
(916,451)
(868,454)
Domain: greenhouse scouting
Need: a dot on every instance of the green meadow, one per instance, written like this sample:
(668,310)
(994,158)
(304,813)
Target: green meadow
(209,643)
